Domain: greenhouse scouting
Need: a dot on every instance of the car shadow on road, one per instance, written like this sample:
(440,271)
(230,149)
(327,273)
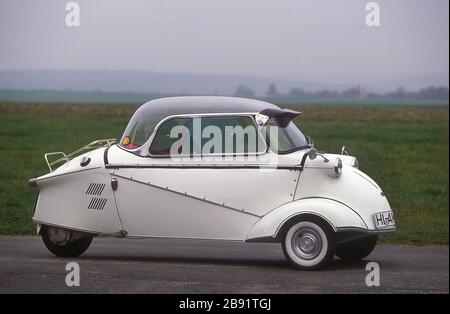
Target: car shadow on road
(219,261)
(335,265)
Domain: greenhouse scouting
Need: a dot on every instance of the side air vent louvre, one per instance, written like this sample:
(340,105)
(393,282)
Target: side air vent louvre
(95,189)
(97,203)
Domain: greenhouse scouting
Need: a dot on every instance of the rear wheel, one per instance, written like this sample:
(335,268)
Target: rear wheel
(357,249)
(308,245)
(65,243)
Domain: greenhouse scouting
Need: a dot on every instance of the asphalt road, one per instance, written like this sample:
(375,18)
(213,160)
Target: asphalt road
(187,266)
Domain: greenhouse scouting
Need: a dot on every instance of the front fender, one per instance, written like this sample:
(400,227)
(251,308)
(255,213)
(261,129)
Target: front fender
(336,213)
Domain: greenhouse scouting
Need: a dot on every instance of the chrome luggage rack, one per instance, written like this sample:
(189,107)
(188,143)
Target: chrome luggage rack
(66,157)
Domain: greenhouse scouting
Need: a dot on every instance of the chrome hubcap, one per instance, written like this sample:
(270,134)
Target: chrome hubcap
(306,243)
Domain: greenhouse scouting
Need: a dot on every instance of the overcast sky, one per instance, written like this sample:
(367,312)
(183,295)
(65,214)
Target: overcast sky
(314,40)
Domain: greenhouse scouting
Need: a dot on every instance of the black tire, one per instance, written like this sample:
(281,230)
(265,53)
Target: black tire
(70,249)
(356,250)
(298,255)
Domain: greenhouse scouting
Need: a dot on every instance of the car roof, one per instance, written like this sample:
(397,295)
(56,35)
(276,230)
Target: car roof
(153,112)
(203,104)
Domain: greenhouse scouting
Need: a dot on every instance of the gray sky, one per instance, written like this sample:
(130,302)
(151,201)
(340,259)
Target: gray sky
(314,40)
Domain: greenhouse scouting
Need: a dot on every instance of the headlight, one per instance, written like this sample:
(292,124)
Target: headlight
(338,168)
(355,163)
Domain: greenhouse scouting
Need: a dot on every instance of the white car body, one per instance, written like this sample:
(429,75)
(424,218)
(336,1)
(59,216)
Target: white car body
(128,193)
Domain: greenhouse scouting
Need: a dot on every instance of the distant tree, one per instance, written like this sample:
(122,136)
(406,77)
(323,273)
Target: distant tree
(400,93)
(272,91)
(326,94)
(433,93)
(352,92)
(373,95)
(244,91)
(297,93)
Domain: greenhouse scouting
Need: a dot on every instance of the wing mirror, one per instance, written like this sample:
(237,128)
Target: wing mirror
(336,165)
(313,153)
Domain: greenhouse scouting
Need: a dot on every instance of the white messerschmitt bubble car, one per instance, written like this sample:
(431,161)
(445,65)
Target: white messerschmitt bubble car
(218,168)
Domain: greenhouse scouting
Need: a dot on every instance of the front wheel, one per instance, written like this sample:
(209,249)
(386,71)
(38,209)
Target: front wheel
(308,245)
(65,243)
(357,249)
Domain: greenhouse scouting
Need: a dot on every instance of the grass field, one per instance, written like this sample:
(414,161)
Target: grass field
(405,149)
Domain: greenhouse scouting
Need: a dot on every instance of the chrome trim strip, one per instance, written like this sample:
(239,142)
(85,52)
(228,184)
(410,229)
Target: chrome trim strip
(368,231)
(182,238)
(202,115)
(67,173)
(359,174)
(143,150)
(205,166)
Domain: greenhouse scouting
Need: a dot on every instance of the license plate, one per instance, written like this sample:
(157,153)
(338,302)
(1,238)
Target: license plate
(384,219)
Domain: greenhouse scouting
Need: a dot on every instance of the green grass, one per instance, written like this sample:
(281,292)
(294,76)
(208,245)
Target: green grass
(24,139)
(405,149)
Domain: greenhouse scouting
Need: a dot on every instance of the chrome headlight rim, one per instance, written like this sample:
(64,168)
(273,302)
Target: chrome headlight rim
(338,168)
(355,163)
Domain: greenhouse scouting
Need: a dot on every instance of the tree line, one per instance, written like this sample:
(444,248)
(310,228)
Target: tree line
(431,93)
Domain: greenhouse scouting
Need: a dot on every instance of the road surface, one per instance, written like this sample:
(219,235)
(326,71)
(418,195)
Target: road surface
(188,266)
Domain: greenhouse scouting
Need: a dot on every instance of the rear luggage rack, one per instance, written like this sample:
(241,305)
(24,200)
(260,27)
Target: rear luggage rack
(66,157)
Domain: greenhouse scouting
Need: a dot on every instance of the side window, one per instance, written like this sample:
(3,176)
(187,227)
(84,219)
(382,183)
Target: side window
(169,134)
(277,138)
(284,139)
(230,135)
(207,135)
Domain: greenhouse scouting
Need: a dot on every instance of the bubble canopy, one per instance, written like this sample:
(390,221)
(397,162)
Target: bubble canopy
(147,117)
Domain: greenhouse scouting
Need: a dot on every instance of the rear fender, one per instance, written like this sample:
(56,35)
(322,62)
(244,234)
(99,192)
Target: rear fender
(80,200)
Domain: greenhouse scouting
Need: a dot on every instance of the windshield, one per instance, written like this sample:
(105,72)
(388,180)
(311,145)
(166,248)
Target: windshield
(139,130)
(287,139)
